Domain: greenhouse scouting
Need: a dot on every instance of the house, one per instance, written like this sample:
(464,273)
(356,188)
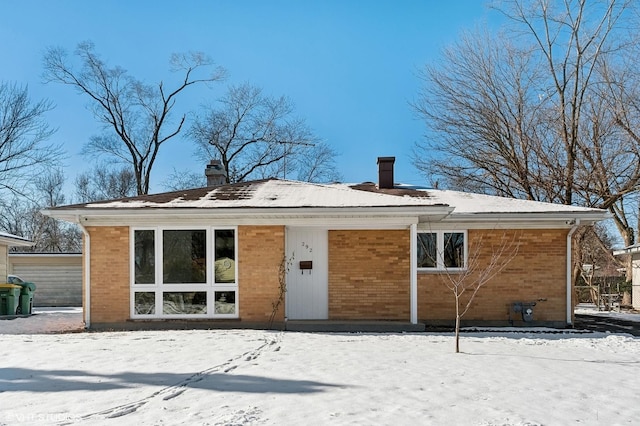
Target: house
(212,257)
(634,252)
(6,241)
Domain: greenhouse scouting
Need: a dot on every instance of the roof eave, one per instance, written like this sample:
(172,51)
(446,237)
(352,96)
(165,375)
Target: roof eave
(83,214)
(627,250)
(16,242)
(569,217)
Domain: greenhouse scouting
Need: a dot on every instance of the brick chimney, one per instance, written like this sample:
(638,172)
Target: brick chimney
(385,172)
(215,173)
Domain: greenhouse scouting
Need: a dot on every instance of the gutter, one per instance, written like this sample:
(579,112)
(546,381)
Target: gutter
(279,213)
(87,274)
(574,227)
(16,242)
(627,250)
(546,216)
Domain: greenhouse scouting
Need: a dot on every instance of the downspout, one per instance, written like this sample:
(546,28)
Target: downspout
(576,224)
(86,255)
(413,285)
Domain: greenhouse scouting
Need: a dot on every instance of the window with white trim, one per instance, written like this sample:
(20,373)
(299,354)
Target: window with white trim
(442,250)
(184,272)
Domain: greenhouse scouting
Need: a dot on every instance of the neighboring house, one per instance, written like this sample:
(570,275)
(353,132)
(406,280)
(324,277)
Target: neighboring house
(6,241)
(634,252)
(58,276)
(353,253)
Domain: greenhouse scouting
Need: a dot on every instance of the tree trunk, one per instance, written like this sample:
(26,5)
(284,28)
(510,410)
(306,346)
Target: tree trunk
(457,331)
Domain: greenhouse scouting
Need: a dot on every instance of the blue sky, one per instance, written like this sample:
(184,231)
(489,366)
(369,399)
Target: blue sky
(349,66)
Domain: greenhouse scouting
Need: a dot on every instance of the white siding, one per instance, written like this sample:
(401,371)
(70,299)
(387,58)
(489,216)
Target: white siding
(58,279)
(3,263)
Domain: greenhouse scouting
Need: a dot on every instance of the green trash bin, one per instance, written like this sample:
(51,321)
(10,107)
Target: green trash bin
(25,304)
(9,298)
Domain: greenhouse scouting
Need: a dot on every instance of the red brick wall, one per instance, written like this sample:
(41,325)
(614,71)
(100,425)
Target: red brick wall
(109,274)
(369,273)
(538,271)
(260,253)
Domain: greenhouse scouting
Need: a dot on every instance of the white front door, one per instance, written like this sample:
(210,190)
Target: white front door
(307,277)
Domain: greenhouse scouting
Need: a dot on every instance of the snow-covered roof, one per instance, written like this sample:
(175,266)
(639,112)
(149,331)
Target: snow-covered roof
(471,203)
(271,193)
(14,240)
(293,196)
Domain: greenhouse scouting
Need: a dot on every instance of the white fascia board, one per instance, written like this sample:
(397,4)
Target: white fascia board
(489,224)
(397,222)
(566,218)
(493,222)
(328,217)
(72,215)
(428,216)
(16,242)
(627,250)
(66,215)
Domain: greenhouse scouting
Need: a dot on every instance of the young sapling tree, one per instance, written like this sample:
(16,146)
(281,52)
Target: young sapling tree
(464,275)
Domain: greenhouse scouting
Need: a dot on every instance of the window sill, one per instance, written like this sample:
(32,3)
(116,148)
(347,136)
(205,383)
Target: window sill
(193,318)
(440,271)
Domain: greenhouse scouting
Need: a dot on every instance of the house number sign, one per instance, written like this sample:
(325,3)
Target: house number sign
(306,264)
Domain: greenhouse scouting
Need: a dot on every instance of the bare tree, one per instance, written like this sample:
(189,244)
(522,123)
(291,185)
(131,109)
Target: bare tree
(138,115)
(483,262)
(23,133)
(53,235)
(317,164)
(599,269)
(22,217)
(619,102)
(14,217)
(314,164)
(476,107)
(254,135)
(529,114)
(179,180)
(104,183)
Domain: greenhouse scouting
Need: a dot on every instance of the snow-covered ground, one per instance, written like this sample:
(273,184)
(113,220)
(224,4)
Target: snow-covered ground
(248,377)
(592,310)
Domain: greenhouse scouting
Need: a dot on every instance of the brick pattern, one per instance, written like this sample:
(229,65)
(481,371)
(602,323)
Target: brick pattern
(109,274)
(369,275)
(538,271)
(261,250)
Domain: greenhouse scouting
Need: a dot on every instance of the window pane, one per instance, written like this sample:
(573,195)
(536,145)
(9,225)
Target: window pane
(454,249)
(225,302)
(225,269)
(145,303)
(427,251)
(184,257)
(184,303)
(144,243)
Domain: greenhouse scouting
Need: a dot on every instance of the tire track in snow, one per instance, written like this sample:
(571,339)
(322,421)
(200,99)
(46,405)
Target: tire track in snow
(175,390)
